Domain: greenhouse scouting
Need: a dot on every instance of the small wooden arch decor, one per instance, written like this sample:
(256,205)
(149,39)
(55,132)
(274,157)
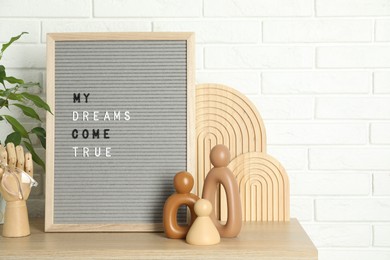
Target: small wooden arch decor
(226,116)
(264,187)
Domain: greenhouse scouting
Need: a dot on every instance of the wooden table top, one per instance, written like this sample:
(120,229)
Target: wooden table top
(257,240)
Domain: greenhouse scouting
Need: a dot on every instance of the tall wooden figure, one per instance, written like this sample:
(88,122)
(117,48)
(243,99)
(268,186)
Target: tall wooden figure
(15,185)
(220,174)
(183,183)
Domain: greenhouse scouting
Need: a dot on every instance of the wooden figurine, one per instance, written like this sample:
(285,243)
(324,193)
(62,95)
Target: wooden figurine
(203,231)
(220,174)
(183,183)
(16,173)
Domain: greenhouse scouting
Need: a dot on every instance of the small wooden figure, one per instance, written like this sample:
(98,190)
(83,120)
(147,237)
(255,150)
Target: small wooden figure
(183,183)
(16,181)
(220,174)
(203,231)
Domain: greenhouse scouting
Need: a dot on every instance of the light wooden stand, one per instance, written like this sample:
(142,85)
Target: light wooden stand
(257,240)
(16,219)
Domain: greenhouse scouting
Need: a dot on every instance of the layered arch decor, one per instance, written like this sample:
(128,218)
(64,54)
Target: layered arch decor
(264,187)
(225,116)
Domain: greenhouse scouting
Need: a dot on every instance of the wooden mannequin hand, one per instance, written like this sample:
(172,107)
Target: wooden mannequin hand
(15,158)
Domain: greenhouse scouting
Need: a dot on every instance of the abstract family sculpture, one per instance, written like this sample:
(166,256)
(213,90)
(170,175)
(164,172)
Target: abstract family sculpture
(16,171)
(183,183)
(205,229)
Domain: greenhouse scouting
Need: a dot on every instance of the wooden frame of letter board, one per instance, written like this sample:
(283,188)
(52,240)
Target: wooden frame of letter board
(50,226)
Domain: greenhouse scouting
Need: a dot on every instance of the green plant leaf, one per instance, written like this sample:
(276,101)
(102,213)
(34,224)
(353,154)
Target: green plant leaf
(35,156)
(14,138)
(2,74)
(3,103)
(41,134)
(15,96)
(13,80)
(10,95)
(16,126)
(28,111)
(37,101)
(1,118)
(6,45)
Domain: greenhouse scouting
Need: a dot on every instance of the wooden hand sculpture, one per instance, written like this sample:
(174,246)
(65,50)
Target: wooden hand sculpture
(16,171)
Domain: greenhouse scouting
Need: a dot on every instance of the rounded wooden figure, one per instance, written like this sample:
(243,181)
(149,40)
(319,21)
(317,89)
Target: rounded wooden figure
(183,183)
(203,231)
(220,174)
(16,181)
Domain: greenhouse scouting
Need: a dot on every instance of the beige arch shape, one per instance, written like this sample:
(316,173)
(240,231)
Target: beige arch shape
(225,116)
(270,173)
(223,110)
(214,96)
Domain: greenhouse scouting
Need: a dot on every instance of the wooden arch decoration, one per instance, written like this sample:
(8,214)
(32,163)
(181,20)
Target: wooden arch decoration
(225,116)
(264,187)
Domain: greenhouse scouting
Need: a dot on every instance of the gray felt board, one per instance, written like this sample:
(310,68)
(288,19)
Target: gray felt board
(148,79)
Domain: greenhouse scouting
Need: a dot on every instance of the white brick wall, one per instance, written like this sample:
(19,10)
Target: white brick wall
(215,31)
(44,8)
(258,8)
(328,183)
(302,208)
(284,107)
(381,235)
(247,82)
(318,82)
(360,56)
(356,209)
(147,8)
(340,235)
(352,7)
(317,133)
(381,182)
(380,133)
(9,27)
(356,254)
(258,57)
(382,82)
(367,107)
(30,56)
(317,30)
(78,25)
(318,71)
(349,158)
(382,31)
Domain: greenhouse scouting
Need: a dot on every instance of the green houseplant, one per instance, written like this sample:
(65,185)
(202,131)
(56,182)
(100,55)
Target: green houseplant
(15,94)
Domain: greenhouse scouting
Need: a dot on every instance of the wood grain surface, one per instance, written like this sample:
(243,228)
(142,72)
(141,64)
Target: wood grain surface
(257,240)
